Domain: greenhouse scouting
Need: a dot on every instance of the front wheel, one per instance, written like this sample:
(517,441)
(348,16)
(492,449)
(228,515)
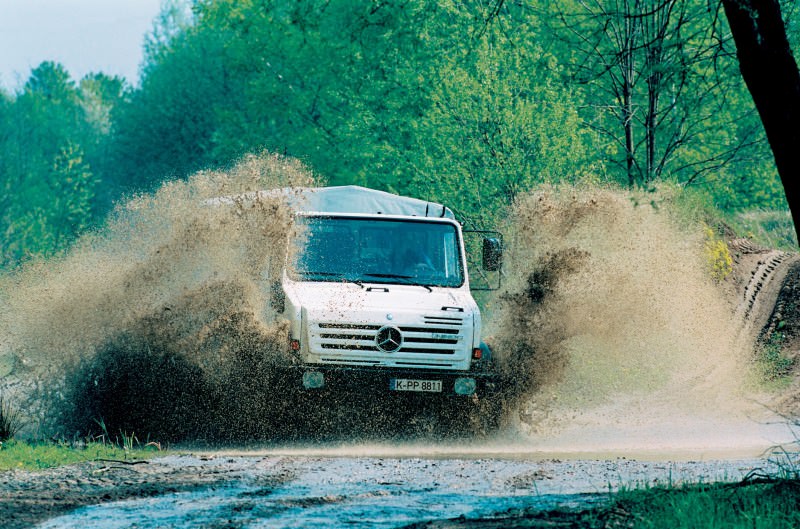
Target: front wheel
(471,416)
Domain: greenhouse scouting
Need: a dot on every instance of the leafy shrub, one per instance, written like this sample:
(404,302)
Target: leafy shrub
(10,421)
(718,256)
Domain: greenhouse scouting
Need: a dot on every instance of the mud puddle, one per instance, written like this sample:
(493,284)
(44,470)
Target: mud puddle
(300,491)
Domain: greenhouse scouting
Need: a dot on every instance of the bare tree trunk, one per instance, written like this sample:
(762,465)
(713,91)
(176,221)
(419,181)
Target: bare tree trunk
(770,72)
(653,90)
(627,120)
(657,27)
(628,72)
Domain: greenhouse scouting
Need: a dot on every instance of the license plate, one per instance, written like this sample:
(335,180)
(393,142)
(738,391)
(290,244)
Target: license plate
(410,384)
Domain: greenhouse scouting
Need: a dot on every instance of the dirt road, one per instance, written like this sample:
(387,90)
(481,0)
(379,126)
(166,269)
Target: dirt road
(356,486)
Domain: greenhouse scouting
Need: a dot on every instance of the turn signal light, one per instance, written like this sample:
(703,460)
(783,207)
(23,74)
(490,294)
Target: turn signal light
(477,353)
(294,345)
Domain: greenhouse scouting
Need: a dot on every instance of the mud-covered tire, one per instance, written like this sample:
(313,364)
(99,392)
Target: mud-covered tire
(488,415)
(470,417)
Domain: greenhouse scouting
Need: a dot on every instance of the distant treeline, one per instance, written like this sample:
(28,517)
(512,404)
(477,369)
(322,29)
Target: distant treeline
(464,102)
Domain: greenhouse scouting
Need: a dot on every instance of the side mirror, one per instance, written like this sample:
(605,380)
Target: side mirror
(492,254)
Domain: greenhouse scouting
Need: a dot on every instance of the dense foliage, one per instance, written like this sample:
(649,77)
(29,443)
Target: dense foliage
(460,101)
(53,135)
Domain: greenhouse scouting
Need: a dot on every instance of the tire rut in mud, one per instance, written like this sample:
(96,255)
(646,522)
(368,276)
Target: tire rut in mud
(760,293)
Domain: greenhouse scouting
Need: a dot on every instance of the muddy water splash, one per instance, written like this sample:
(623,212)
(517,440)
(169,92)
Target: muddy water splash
(162,323)
(611,330)
(151,324)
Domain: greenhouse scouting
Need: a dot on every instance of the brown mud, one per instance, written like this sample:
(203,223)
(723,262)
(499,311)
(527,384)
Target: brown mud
(31,497)
(161,322)
(613,331)
(164,323)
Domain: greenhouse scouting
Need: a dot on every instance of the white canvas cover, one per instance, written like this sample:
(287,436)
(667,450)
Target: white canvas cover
(346,199)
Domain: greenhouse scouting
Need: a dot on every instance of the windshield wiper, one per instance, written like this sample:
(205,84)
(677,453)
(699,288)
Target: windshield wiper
(390,276)
(398,276)
(337,276)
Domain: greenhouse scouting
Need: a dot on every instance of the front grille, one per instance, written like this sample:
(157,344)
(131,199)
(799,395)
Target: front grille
(347,326)
(444,320)
(351,361)
(435,336)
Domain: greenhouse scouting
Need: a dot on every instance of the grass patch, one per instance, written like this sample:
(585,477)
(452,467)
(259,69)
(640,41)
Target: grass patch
(757,502)
(772,503)
(17,454)
(773,229)
(773,365)
(37,455)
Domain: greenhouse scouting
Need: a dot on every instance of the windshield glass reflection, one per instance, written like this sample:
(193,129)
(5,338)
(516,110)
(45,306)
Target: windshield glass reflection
(377,251)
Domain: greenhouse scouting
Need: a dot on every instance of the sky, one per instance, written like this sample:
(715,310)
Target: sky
(85,36)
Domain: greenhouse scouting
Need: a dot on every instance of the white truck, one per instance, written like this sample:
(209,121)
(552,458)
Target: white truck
(378,298)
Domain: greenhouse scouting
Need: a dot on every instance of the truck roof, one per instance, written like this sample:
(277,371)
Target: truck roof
(345,199)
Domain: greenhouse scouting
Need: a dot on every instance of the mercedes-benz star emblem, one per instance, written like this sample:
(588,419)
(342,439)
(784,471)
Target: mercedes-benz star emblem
(389,339)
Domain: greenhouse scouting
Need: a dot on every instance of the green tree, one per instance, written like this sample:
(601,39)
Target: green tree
(48,187)
(72,189)
(376,94)
(500,120)
(101,96)
(660,87)
(330,83)
(164,129)
(464,102)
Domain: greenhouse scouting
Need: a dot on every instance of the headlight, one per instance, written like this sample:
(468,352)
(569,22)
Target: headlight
(465,386)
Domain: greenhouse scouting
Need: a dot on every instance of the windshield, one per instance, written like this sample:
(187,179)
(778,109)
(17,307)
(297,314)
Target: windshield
(377,251)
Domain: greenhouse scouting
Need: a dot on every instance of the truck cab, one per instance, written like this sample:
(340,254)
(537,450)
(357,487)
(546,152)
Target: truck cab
(377,295)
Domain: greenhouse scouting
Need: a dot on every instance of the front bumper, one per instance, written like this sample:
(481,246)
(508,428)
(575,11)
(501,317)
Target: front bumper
(379,380)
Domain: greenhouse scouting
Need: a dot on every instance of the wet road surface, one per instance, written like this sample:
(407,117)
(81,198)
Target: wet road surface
(287,491)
